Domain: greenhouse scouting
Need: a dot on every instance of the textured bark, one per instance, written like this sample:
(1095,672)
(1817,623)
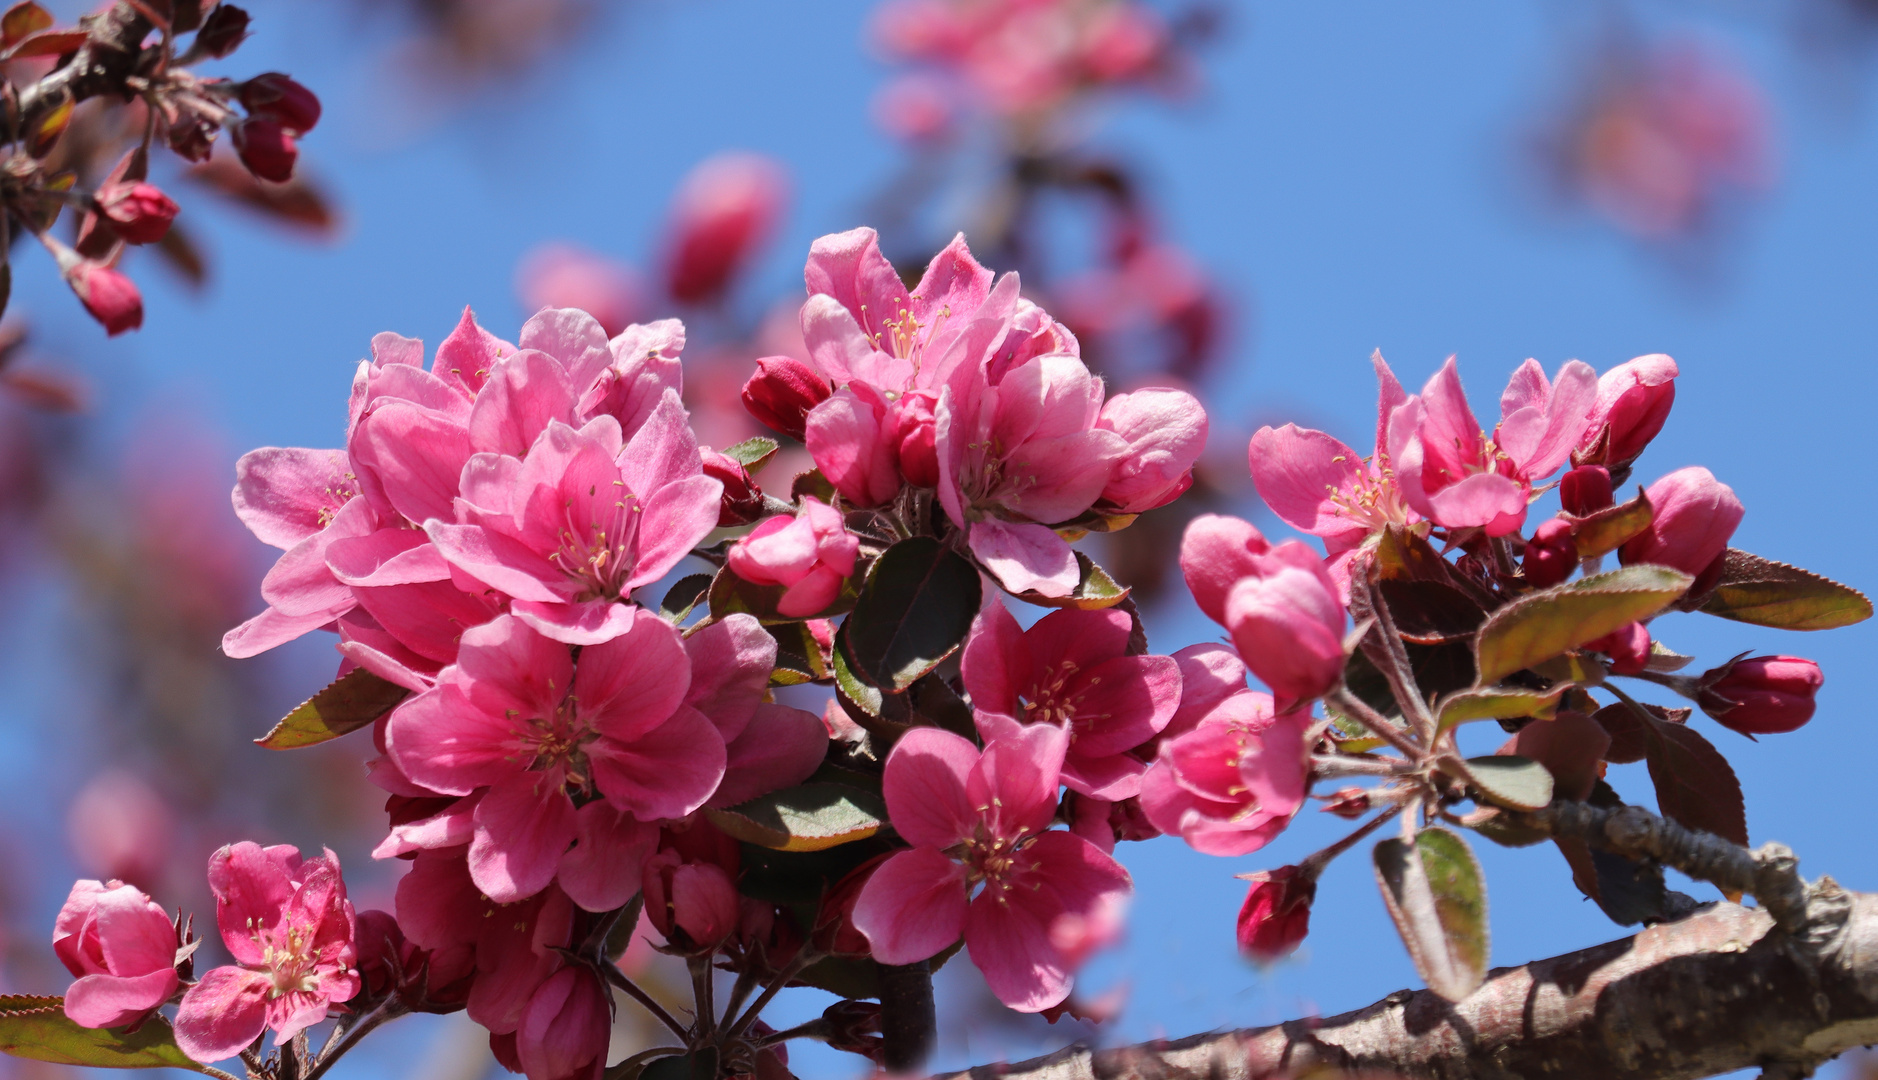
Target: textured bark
(1721,989)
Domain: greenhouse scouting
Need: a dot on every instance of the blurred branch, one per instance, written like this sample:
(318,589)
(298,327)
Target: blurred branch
(99,66)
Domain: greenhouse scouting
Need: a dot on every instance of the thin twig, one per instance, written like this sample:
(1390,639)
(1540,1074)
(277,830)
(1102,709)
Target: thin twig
(1396,669)
(803,958)
(1316,862)
(1334,766)
(386,1010)
(703,994)
(1374,722)
(618,978)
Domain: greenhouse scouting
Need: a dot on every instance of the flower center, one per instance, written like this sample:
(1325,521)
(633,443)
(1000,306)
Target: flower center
(555,744)
(996,861)
(596,554)
(289,958)
(1372,498)
(1048,701)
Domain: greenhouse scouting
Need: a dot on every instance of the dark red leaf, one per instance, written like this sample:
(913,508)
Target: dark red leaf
(1694,784)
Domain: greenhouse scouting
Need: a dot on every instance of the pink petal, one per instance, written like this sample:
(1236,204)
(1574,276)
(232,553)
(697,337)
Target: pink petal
(497,560)
(1123,702)
(587,622)
(924,783)
(453,826)
(268,629)
(1108,777)
(850,268)
(1209,674)
(663,451)
(223,1013)
(465,358)
(251,885)
(630,684)
(846,435)
(1057,478)
(1166,432)
(286,494)
(913,906)
(996,665)
(1025,558)
(677,518)
(665,773)
(395,556)
(1480,500)
(1299,472)
(104,1001)
(445,742)
(1014,781)
(417,454)
(523,395)
(1452,444)
(523,826)
(572,337)
(838,346)
(730,663)
(1215,553)
(779,748)
(1082,639)
(601,872)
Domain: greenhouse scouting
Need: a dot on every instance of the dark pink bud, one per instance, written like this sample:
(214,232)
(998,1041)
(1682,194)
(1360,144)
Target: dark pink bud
(1633,401)
(693,904)
(854,1026)
(1276,914)
(1695,516)
(1550,554)
(724,211)
(566,1027)
(782,392)
(1762,695)
(138,211)
(223,31)
(266,148)
(111,297)
(743,500)
(913,437)
(1349,803)
(1586,490)
(1628,648)
(276,97)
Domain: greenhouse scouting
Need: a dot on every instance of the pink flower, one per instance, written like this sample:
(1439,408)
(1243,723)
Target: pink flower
(1633,401)
(123,950)
(1165,431)
(289,926)
(1276,914)
(725,209)
(121,827)
(1318,485)
(586,518)
(566,1028)
(1762,695)
(514,720)
(1020,456)
(139,212)
(1453,474)
(1234,781)
(1072,670)
(916,108)
(1695,516)
(109,296)
(560,275)
(280,98)
(913,439)
(990,811)
(783,392)
(811,553)
(1279,603)
(694,904)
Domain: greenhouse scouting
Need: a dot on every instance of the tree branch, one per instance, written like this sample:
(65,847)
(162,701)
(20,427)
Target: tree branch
(1722,989)
(99,66)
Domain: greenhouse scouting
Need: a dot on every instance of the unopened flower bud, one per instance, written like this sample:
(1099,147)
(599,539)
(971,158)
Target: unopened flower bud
(277,97)
(835,932)
(1628,648)
(1586,490)
(811,554)
(854,1026)
(723,212)
(743,500)
(1695,514)
(266,148)
(122,948)
(1550,554)
(566,1026)
(1762,695)
(1349,803)
(1633,401)
(1276,914)
(913,437)
(693,904)
(109,296)
(139,212)
(782,392)
(223,31)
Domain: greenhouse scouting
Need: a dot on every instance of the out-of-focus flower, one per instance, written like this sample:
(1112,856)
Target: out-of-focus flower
(121,828)
(138,211)
(108,295)
(282,100)
(561,275)
(917,108)
(267,148)
(725,210)
(122,948)
(1276,914)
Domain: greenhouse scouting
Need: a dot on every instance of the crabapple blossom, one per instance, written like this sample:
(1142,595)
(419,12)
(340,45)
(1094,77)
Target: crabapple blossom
(123,950)
(1278,602)
(979,821)
(1234,780)
(1072,670)
(1695,514)
(1762,695)
(564,1031)
(1276,914)
(1165,431)
(108,295)
(697,900)
(569,276)
(810,554)
(783,392)
(1454,475)
(289,926)
(1633,401)
(139,212)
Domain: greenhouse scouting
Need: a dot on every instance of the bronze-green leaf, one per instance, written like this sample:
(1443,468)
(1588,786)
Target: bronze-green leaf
(1497,703)
(1508,780)
(753,453)
(1095,591)
(349,703)
(808,817)
(1549,622)
(1767,593)
(1606,530)
(37,1028)
(1436,896)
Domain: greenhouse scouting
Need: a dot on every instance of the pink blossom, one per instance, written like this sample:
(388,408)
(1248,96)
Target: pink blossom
(1633,402)
(1165,431)
(123,950)
(514,720)
(561,275)
(990,811)
(916,108)
(1276,914)
(724,211)
(121,827)
(811,554)
(692,903)
(587,517)
(1232,782)
(1279,602)
(1022,455)
(1454,475)
(566,1028)
(1696,514)
(783,392)
(289,926)
(1072,670)
(1316,484)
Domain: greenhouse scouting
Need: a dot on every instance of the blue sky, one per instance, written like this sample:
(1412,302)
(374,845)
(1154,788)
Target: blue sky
(1347,174)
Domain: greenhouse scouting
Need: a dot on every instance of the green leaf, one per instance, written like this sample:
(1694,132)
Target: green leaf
(1094,592)
(914,611)
(37,1028)
(1552,621)
(1508,780)
(1435,894)
(812,483)
(808,817)
(1766,593)
(683,596)
(1496,703)
(855,694)
(349,703)
(1607,530)
(752,453)
(799,657)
